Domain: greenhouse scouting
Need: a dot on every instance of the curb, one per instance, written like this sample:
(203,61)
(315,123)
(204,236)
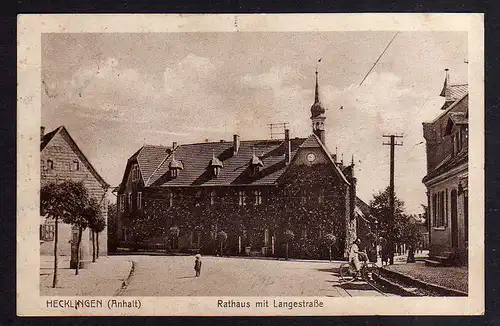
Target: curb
(433,288)
(126,282)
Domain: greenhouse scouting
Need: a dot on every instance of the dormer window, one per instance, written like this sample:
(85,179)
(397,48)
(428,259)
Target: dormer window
(135,172)
(50,165)
(174,167)
(215,164)
(255,164)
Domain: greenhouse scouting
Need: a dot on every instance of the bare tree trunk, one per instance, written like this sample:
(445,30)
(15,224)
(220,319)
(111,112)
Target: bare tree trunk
(330,253)
(97,242)
(287,251)
(80,231)
(93,246)
(221,248)
(56,235)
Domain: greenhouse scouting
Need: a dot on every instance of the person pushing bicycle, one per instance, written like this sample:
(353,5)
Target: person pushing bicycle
(356,256)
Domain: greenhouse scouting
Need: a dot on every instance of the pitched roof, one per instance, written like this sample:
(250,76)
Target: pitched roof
(456,91)
(196,158)
(61,129)
(48,137)
(453,93)
(148,158)
(448,163)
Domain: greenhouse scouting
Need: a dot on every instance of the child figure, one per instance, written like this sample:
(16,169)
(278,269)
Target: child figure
(197,265)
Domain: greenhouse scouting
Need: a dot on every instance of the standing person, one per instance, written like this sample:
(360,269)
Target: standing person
(197,265)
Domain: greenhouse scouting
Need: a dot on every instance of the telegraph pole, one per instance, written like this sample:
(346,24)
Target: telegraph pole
(392,143)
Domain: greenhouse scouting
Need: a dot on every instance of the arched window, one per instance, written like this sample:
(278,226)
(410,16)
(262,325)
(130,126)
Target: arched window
(50,165)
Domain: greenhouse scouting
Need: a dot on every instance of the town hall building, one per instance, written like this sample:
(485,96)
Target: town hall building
(180,198)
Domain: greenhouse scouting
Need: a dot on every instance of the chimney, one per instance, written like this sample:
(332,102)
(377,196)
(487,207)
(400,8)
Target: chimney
(174,145)
(42,132)
(287,147)
(236,144)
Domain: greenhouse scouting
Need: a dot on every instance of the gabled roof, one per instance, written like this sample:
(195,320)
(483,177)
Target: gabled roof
(455,118)
(62,130)
(314,141)
(196,159)
(48,137)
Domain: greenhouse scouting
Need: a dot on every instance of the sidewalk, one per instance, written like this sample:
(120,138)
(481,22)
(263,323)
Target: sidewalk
(103,278)
(455,278)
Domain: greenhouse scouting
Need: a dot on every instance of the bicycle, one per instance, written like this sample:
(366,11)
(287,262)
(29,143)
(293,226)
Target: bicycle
(367,272)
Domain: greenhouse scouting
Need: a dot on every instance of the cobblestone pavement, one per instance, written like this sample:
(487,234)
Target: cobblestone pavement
(175,276)
(103,278)
(450,277)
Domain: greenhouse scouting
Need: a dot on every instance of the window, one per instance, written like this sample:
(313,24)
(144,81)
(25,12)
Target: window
(47,232)
(266,237)
(212,197)
(439,205)
(75,165)
(122,202)
(170,199)
(129,202)
(242,198)
(50,165)
(216,171)
(139,200)
(258,197)
(304,233)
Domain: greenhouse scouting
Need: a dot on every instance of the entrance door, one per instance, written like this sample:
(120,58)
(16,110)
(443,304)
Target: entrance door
(454,220)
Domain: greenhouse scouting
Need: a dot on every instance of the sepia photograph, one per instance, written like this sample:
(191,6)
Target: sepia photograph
(248,169)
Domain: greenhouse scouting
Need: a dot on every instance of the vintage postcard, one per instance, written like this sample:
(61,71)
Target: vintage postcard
(269,164)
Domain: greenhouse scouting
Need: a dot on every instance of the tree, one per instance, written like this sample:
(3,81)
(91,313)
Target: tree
(389,229)
(97,224)
(85,209)
(288,237)
(222,239)
(329,241)
(93,216)
(63,201)
(412,236)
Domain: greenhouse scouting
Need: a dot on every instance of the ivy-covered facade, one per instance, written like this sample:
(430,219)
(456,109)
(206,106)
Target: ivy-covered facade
(181,198)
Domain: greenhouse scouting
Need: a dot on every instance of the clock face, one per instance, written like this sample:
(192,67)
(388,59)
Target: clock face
(311,157)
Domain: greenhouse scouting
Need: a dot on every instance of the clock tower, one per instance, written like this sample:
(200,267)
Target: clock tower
(318,115)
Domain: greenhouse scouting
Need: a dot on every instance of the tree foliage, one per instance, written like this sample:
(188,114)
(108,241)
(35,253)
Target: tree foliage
(293,205)
(66,201)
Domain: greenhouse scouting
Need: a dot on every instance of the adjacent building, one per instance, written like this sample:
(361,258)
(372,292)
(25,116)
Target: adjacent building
(182,197)
(447,177)
(61,159)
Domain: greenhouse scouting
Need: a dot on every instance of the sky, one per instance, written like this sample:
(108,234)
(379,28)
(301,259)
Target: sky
(116,92)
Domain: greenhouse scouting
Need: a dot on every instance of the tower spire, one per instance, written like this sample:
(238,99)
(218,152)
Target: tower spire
(316,93)
(318,112)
